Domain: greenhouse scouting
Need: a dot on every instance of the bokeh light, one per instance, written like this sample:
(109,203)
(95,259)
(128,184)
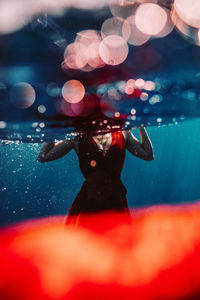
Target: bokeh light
(13,16)
(90,42)
(149,85)
(132,34)
(73,91)
(130,84)
(113,50)
(2,124)
(41,109)
(189,11)
(22,95)
(75,56)
(94,59)
(86,37)
(70,109)
(168,26)
(122,8)
(113,26)
(150,18)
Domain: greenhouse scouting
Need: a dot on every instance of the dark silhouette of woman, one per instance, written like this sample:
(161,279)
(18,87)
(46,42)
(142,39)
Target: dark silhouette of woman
(101,159)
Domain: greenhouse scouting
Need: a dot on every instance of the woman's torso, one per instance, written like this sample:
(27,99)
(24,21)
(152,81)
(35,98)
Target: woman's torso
(102,155)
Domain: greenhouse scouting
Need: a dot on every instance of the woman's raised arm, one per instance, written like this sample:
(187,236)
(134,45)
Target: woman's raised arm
(55,150)
(143,150)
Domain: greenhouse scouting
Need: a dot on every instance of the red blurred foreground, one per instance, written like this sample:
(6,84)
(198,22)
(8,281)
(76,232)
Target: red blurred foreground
(157,256)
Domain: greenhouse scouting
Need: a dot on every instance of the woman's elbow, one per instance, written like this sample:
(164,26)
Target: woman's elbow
(149,157)
(41,159)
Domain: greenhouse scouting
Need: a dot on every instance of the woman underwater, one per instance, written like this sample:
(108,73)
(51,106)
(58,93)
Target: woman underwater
(101,159)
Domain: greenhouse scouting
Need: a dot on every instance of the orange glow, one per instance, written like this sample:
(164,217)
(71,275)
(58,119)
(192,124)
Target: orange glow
(22,95)
(93,163)
(156,256)
(113,50)
(188,11)
(150,18)
(73,91)
(132,34)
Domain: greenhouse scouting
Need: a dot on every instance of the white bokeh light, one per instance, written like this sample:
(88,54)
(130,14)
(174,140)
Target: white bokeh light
(188,11)
(113,50)
(132,34)
(150,18)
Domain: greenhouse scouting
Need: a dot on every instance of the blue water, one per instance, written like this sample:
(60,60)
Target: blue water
(29,189)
